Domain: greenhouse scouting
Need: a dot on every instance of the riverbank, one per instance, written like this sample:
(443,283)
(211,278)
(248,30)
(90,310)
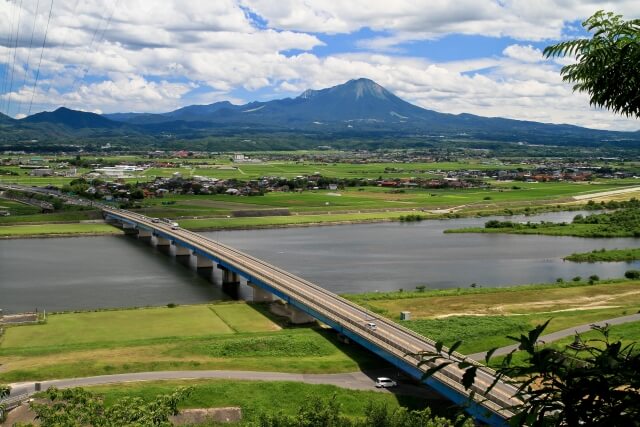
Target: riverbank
(246,336)
(18,230)
(622,221)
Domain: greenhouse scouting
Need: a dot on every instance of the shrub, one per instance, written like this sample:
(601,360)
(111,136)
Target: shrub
(632,274)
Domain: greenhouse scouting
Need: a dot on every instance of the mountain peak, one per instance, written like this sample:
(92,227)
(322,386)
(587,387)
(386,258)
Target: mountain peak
(354,89)
(364,87)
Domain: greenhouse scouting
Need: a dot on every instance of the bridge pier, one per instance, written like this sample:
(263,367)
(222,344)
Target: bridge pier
(161,241)
(129,228)
(259,294)
(296,316)
(183,255)
(203,263)
(144,235)
(230,282)
(181,251)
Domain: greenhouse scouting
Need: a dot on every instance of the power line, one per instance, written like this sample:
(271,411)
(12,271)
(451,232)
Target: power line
(108,22)
(5,77)
(15,52)
(60,49)
(26,69)
(44,42)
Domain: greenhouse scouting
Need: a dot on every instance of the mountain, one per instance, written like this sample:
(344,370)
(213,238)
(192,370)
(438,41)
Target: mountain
(358,113)
(73,119)
(358,108)
(360,100)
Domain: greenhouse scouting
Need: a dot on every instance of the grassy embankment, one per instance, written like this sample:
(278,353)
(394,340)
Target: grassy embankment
(234,336)
(255,397)
(482,318)
(606,255)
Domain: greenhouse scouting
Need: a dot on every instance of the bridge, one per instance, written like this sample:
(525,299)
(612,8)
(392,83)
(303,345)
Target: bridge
(396,344)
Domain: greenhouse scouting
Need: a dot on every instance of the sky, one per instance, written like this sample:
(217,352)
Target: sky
(465,56)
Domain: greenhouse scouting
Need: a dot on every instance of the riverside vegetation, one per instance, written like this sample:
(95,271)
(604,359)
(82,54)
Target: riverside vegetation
(624,221)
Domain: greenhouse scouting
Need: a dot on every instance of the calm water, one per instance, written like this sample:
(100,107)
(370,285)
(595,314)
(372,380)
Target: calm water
(92,272)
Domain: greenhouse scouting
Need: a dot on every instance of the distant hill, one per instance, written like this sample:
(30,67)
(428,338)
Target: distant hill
(73,119)
(5,119)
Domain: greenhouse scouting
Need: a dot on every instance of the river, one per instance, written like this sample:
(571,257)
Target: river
(99,272)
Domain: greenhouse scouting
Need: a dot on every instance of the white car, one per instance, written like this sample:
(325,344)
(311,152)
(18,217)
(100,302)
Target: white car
(371,326)
(384,382)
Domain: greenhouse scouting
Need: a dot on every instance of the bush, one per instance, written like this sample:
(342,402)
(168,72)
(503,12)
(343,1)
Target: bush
(632,274)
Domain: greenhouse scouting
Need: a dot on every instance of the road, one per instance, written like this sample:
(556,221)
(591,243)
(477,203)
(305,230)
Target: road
(554,336)
(392,338)
(351,380)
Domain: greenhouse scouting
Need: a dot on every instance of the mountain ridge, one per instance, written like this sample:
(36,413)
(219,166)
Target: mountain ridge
(358,108)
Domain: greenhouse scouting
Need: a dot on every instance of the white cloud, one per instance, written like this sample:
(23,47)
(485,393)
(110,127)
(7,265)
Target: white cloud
(158,56)
(523,53)
(421,19)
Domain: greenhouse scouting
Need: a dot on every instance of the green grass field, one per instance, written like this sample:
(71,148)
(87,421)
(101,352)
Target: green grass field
(17,208)
(234,336)
(53,229)
(115,326)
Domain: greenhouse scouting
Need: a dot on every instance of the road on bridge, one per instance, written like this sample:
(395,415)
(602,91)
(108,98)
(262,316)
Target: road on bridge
(401,343)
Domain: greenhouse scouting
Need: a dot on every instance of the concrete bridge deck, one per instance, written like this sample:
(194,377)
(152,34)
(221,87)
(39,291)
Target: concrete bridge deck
(389,340)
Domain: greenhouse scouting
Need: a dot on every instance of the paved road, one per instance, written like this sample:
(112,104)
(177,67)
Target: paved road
(352,380)
(387,335)
(561,334)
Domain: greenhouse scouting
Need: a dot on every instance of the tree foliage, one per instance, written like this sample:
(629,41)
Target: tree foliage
(79,407)
(607,64)
(590,383)
(327,413)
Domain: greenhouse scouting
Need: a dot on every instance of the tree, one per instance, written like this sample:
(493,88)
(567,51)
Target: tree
(589,383)
(327,413)
(79,407)
(607,64)
(5,390)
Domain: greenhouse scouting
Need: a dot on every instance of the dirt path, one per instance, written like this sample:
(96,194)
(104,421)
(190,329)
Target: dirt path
(607,193)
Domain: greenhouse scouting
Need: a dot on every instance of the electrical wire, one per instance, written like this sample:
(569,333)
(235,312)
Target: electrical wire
(26,69)
(44,42)
(5,77)
(15,52)
(60,49)
(102,34)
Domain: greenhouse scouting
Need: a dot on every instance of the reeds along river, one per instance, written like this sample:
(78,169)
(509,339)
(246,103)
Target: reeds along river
(99,272)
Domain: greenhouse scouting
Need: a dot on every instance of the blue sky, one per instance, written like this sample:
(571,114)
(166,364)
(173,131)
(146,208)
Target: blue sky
(476,56)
